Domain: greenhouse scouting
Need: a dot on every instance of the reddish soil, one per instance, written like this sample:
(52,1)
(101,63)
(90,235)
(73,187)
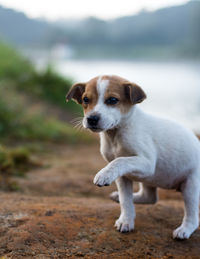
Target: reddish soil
(59,213)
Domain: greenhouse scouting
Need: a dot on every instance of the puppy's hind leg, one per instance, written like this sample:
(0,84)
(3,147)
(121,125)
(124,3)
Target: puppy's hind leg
(125,223)
(191,192)
(146,195)
(115,196)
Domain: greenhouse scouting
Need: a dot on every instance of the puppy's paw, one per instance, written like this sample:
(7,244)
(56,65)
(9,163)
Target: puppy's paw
(102,178)
(114,196)
(124,225)
(182,233)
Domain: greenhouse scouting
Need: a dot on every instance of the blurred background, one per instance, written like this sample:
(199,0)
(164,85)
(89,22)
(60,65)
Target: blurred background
(47,46)
(50,207)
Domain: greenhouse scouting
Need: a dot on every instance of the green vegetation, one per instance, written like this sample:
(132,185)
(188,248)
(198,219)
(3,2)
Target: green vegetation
(46,85)
(23,116)
(12,65)
(17,117)
(13,162)
(50,86)
(18,121)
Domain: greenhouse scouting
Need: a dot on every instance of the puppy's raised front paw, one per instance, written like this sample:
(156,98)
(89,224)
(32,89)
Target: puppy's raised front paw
(124,225)
(102,178)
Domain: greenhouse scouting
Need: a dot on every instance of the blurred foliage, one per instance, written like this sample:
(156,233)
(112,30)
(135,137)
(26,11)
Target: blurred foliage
(13,162)
(22,113)
(47,85)
(19,121)
(50,86)
(12,65)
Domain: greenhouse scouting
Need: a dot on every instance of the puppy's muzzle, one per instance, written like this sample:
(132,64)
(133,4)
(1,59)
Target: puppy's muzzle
(93,121)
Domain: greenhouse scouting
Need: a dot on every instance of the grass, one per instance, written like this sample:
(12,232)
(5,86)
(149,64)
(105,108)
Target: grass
(23,91)
(20,121)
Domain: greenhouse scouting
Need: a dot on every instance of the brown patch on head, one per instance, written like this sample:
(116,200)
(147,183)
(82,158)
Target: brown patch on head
(126,92)
(91,93)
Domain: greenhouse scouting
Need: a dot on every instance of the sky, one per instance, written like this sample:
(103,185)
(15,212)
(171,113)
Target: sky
(104,9)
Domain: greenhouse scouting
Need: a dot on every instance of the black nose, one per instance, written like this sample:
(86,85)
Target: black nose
(93,120)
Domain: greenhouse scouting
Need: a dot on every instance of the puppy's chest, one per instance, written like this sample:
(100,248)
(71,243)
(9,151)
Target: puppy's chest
(113,146)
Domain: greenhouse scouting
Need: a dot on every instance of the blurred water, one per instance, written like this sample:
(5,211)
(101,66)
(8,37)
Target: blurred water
(173,89)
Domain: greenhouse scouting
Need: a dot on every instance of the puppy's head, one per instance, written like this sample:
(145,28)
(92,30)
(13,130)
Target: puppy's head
(105,101)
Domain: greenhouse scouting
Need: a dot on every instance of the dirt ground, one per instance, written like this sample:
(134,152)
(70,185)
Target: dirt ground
(59,213)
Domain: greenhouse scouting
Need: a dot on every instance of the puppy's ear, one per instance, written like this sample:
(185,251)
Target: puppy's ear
(76,92)
(134,93)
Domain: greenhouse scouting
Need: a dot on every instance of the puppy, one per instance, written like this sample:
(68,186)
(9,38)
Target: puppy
(140,147)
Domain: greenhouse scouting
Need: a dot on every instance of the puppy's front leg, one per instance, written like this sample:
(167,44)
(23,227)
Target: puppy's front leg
(139,167)
(125,223)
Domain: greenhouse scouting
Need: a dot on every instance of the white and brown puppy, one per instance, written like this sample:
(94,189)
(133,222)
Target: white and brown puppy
(140,147)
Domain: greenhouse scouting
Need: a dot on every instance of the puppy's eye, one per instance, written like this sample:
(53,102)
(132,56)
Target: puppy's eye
(111,101)
(86,100)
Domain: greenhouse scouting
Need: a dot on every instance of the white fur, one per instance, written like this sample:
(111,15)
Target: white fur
(153,151)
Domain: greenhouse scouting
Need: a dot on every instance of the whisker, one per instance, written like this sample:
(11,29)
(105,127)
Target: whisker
(76,119)
(78,125)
